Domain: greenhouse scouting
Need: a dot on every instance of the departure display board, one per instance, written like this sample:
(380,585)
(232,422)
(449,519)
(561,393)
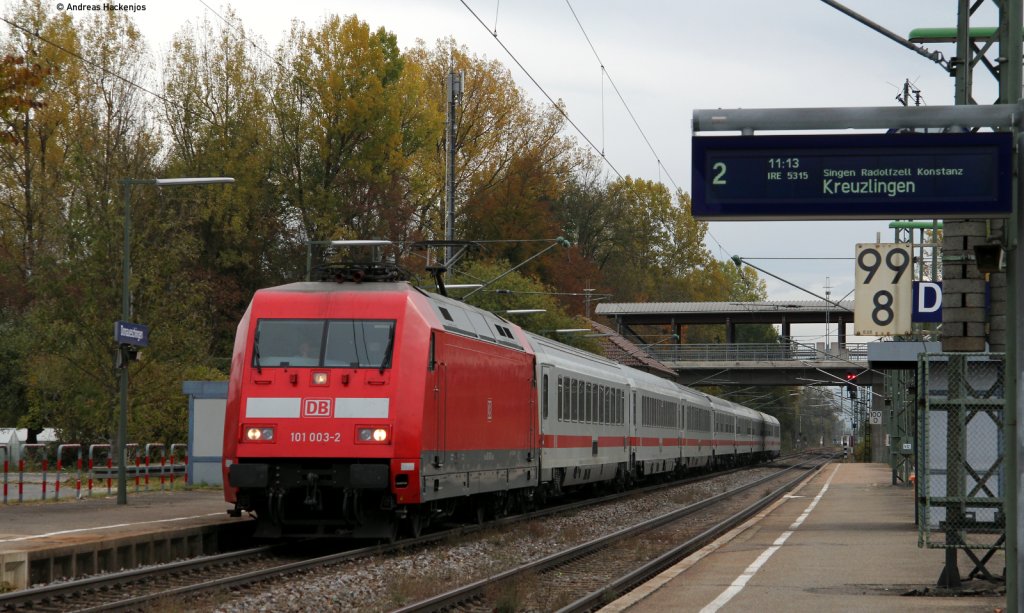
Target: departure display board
(853,176)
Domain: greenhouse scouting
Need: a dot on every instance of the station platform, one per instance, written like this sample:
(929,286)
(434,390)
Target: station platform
(44,541)
(855,550)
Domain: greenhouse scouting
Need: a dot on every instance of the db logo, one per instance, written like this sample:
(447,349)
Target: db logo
(316,407)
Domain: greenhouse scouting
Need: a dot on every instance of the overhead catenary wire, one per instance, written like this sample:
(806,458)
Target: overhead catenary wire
(543,91)
(565,115)
(629,111)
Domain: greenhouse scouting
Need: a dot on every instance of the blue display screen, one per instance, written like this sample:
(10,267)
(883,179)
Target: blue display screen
(859,176)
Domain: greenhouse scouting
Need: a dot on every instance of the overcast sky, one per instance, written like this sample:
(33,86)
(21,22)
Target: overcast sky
(666,58)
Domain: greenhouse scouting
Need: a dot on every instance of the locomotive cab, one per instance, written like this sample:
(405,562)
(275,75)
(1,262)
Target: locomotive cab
(317,446)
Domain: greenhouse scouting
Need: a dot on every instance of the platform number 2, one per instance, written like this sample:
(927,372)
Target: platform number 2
(719,170)
(883,273)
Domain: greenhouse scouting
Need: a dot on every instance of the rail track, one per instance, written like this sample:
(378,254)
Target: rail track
(590,575)
(140,589)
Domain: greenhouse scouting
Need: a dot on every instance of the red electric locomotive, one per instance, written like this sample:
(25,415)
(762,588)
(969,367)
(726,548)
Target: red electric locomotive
(350,405)
(354,407)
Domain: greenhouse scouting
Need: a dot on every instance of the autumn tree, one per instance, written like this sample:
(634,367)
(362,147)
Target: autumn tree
(512,159)
(352,122)
(32,182)
(655,242)
(32,179)
(236,239)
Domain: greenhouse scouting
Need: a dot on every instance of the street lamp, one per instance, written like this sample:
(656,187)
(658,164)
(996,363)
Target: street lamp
(126,264)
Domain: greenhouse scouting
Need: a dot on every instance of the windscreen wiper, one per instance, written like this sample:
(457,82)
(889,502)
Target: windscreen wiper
(256,352)
(387,351)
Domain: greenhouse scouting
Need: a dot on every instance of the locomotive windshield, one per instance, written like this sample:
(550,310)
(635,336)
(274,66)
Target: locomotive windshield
(313,343)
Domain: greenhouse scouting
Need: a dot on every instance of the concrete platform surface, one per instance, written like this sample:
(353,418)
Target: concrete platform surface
(854,550)
(31,525)
(44,541)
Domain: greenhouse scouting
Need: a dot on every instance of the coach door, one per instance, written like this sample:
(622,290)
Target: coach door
(549,397)
(440,402)
(631,418)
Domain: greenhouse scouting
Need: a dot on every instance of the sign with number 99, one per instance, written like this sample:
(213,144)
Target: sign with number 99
(883,296)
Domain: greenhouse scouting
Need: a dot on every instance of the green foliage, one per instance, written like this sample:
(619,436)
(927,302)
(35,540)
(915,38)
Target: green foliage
(13,388)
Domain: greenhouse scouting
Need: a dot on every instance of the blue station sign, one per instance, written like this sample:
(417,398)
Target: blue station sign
(927,302)
(853,176)
(127,333)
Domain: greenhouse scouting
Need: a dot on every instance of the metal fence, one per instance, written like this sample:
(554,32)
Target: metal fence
(961,475)
(756,352)
(42,468)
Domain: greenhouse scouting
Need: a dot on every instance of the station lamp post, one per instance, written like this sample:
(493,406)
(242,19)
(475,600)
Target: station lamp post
(125,348)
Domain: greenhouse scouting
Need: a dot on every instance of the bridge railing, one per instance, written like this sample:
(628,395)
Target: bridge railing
(757,352)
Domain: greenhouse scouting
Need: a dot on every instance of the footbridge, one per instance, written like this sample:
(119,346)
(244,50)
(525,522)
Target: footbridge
(785,362)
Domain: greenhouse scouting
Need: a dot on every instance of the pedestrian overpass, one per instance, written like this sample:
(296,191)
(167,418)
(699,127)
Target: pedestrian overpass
(786,362)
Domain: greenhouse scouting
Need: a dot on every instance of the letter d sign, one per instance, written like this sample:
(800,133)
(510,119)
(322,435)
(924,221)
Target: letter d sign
(927,302)
(316,407)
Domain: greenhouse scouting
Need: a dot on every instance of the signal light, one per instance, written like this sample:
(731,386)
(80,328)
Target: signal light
(851,384)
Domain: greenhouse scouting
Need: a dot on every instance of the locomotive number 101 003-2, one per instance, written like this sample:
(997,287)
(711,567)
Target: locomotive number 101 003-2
(315,437)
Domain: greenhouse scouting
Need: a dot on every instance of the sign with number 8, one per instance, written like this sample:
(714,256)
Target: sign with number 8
(883,297)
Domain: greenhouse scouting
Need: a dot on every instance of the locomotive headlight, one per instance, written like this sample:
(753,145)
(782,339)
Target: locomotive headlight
(373,435)
(319,378)
(259,434)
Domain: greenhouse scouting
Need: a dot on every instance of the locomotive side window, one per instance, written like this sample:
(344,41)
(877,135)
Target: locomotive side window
(311,343)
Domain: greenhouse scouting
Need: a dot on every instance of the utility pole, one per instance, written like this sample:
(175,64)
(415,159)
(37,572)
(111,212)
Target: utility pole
(454,97)
(1011,12)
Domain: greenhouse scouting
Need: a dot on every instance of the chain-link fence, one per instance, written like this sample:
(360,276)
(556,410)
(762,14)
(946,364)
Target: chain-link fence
(961,474)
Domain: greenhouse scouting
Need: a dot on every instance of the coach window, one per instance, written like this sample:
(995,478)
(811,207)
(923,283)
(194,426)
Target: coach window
(574,411)
(544,390)
(561,399)
(566,399)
